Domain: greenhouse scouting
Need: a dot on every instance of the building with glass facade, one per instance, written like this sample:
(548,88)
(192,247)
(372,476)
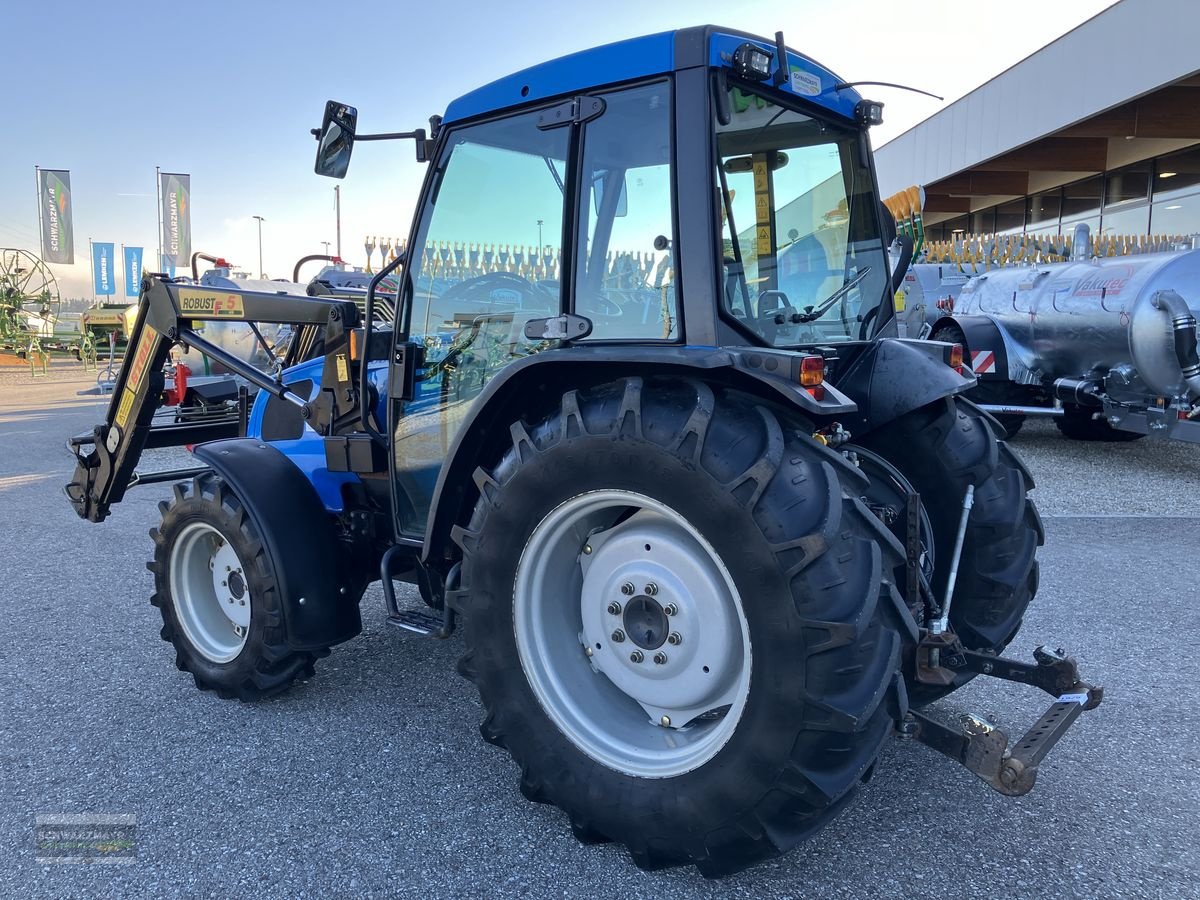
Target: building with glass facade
(1101,126)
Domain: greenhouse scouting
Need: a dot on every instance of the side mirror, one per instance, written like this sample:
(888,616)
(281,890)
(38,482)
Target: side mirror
(335,139)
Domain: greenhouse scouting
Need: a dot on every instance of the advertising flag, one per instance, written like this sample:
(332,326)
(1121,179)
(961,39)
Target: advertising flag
(176,191)
(103,271)
(58,231)
(168,265)
(133,271)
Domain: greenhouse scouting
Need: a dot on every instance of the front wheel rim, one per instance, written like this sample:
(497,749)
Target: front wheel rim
(631,633)
(209,592)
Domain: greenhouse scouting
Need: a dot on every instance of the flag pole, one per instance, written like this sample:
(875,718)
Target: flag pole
(92,256)
(37,180)
(158,213)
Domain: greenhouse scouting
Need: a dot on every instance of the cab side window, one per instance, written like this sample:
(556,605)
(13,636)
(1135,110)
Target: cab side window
(625,276)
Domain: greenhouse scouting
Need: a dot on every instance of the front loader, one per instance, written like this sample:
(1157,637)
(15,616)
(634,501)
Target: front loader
(713,533)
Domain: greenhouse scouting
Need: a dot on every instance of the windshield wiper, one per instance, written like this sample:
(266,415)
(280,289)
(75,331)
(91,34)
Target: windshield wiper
(827,304)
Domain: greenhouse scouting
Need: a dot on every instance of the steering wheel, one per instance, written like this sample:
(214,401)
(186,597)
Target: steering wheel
(473,289)
(600,305)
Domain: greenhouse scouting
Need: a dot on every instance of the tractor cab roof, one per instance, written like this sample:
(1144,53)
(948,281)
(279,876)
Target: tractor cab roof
(645,57)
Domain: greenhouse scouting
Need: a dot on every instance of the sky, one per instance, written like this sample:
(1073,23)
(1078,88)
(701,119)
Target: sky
(227,92)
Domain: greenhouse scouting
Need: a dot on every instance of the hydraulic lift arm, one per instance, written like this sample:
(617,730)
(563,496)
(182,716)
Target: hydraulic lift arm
(167,313)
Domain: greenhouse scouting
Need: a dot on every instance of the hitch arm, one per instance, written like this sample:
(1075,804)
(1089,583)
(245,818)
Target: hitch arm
(983,748)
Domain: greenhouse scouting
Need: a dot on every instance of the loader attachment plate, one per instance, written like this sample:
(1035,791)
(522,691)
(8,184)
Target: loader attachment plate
(980,746)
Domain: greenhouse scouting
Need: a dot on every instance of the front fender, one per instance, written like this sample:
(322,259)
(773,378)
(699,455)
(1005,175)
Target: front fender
(298,535)
(896,376)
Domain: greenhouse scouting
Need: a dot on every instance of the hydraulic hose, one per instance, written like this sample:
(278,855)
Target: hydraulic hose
(1183,325)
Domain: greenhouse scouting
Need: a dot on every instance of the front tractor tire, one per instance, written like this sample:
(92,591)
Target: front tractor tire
(682,628)
(941,449)
(215,585)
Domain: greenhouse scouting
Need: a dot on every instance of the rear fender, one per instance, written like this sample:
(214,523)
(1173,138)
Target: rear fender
(533,387)
(297,531)
(896,376)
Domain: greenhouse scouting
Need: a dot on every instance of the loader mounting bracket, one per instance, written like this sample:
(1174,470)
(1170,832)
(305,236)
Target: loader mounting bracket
(977,744)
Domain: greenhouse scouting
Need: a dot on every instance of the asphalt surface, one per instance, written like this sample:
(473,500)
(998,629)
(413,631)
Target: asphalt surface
(372,779)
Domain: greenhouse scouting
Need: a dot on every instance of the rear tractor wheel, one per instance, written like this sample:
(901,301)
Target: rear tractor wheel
(682,628)
(216,588)
(941,449)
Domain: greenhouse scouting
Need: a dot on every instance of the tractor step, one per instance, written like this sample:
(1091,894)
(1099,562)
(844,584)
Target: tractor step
(416,621)
(979,745)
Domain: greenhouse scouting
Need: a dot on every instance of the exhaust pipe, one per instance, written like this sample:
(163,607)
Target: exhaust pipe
(1079,391)
(1183,325)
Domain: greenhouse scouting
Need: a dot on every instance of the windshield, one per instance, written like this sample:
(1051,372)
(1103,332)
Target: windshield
(803,258)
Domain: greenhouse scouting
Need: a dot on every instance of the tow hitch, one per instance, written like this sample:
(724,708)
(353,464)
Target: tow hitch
(979,745)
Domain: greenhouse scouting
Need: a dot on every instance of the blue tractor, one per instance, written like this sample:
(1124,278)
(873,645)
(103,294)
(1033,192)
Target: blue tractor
(642,424)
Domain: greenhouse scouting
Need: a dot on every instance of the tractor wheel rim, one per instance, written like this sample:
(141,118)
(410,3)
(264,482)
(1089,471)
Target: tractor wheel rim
(631,633)
(209,592)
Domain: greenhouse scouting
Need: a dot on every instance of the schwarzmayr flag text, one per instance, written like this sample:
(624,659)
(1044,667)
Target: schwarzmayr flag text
(54,207)
(176,192)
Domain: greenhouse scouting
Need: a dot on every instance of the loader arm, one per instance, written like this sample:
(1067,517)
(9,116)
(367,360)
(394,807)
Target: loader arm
(166,315)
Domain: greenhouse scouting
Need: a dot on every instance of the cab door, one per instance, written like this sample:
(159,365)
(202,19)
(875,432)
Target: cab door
(487,257)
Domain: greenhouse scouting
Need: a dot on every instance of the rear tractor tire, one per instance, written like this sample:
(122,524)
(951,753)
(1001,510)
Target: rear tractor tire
(682,628)
(941,449)
(215,585)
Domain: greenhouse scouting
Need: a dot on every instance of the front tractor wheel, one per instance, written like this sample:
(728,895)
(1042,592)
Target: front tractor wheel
(682,628)
(216,588)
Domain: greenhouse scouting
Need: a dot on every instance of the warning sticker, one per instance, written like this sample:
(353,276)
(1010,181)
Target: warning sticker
(765,245)
(125,407)
(211,303)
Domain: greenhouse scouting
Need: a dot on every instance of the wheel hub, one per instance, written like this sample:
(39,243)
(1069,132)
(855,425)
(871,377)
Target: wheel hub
(663,673)
(209,592)
(646,623)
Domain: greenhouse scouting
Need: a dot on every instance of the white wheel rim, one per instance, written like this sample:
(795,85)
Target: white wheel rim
(609,561)
(209,592)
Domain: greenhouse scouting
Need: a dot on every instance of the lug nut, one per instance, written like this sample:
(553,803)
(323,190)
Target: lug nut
(660,658)
(614,608)
(587,651)
(636,656)
(665,721)
(675,638)
(587,548)
(651,589)
(671,609)
(618,636)
(627,589)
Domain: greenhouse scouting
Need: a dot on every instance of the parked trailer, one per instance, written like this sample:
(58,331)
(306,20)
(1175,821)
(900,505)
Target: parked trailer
(1106,346)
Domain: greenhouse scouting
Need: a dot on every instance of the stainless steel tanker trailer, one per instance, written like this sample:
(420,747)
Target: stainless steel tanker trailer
(1107,346)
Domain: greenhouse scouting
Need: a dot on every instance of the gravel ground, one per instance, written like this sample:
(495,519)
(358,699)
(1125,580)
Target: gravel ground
(372,779)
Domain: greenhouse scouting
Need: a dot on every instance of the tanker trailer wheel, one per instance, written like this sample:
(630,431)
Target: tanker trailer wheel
(681,627)
(987,392)
(215,586)
(941,449)
(1078,424)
